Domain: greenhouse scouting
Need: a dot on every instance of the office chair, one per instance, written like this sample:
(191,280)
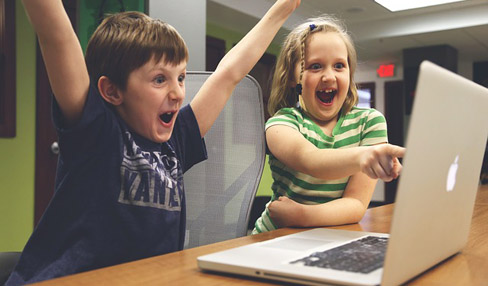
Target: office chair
(8,260)
(220,191)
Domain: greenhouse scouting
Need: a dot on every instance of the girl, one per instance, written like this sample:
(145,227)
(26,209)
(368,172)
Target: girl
(326,154)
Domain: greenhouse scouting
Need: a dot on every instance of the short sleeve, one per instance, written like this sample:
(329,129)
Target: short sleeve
(94,132)
(190,146)
(284,116)
(375,130)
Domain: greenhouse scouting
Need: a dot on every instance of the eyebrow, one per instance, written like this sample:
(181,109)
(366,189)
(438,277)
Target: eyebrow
(164,69)
(318,59)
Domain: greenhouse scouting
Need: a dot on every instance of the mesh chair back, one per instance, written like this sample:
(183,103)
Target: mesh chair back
(221,190)
(8,260)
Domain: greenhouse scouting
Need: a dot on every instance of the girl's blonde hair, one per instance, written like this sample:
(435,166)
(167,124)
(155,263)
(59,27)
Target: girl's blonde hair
(292,53)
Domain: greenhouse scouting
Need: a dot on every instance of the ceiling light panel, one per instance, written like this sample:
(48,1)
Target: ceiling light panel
(399,5)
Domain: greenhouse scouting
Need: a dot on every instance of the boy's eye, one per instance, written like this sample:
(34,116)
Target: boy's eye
(159,79)
(181,78)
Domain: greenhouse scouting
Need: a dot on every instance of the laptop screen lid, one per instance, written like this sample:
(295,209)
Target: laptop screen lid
(437,188)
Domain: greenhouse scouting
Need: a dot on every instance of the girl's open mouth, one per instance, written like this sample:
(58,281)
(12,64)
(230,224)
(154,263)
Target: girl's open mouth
(326,96)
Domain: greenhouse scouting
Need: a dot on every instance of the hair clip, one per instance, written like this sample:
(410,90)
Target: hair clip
(312,27)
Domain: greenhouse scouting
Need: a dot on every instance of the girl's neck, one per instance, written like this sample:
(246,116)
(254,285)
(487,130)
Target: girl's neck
(327,126)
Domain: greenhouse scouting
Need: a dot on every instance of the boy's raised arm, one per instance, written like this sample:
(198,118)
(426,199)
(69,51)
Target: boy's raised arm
(212,97)
(62,55)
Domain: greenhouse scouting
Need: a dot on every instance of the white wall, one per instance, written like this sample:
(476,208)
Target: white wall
(189,17)
(465,68)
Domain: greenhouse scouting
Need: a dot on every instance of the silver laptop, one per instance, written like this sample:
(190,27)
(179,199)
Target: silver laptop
(433,208)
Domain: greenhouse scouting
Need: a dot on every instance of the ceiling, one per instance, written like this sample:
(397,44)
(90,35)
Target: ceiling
(379,35)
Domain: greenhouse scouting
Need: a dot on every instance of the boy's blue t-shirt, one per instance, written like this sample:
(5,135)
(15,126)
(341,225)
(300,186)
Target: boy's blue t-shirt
(119,197)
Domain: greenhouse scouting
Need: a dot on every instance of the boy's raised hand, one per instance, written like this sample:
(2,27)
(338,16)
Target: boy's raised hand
(381,161)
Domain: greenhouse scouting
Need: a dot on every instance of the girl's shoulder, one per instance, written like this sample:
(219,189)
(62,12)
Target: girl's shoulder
(287,113)
(363,112)
(290,116)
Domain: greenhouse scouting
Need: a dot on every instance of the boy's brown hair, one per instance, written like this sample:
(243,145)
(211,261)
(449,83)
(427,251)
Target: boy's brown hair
(126,41)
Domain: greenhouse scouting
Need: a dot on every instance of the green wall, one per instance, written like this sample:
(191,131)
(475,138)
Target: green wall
(231,38)
(17,154)
(266,181)
(89,13)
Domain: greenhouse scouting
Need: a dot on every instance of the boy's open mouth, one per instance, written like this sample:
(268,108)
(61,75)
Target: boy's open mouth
(326,96)
(166,117)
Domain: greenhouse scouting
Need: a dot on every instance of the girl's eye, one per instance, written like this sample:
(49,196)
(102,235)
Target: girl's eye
(159,79)
(339,66)
(315,66)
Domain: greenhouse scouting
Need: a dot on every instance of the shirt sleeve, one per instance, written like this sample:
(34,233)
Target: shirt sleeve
(375,130)
(284,116)
(190,146)
(98,120)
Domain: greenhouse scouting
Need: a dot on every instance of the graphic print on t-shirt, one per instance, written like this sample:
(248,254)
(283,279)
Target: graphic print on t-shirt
(149,179)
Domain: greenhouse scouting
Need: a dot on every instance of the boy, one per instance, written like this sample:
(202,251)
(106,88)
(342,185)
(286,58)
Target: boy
(124,140)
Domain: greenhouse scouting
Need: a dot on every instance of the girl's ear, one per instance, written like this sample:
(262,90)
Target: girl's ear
(109,91)
(292,84)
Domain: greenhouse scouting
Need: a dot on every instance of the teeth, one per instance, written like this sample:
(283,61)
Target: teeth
(327,90)
(166,117)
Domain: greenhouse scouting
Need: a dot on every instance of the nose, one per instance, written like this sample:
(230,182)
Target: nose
(177,92)
(328,75)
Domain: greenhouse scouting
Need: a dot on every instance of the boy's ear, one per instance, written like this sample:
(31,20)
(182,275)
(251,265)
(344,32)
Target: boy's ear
(109,91)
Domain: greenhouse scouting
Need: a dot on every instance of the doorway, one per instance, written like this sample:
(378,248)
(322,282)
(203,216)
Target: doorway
(394,114)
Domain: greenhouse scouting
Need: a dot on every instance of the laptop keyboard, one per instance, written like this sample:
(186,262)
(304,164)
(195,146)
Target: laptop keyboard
(363,256)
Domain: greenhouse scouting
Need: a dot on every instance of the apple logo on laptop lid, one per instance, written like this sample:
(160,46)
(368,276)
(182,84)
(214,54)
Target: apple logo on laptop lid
(451,175)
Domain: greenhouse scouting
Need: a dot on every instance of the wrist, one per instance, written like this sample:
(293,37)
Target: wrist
(285,7)
(301,218)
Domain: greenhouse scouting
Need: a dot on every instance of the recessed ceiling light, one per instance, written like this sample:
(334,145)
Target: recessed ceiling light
(395,5)
(354,10)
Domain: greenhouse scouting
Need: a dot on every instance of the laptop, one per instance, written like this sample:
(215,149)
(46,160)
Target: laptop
(432,214)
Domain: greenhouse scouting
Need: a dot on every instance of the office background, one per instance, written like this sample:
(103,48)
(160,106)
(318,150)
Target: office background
(18,154)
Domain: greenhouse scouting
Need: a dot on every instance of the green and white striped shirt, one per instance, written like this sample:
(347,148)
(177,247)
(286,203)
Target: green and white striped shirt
(359,127)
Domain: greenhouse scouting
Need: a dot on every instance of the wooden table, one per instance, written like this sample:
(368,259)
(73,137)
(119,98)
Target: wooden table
(180,268)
